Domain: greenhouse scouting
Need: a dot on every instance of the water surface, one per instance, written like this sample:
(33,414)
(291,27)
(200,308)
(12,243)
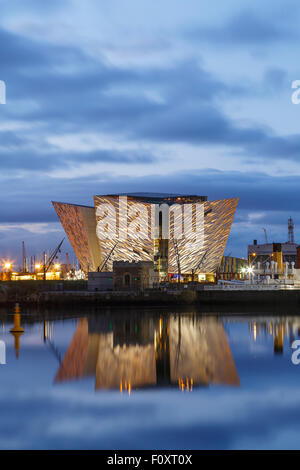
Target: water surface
(149,380)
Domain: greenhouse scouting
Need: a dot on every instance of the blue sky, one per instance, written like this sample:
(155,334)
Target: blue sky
(169,96)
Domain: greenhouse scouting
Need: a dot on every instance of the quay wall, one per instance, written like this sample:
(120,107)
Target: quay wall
(60,294)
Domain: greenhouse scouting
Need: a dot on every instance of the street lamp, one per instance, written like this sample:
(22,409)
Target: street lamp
(250,272)
(7,268)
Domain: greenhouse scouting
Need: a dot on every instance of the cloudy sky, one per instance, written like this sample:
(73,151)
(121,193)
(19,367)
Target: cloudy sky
(140,95)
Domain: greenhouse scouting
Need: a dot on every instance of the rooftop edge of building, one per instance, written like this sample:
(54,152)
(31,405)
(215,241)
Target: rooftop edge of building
(153,199)
(72,204)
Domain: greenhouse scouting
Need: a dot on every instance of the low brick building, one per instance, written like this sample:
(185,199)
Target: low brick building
(134,275)
(100,281)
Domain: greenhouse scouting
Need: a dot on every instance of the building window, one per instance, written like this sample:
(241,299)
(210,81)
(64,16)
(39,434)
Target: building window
(127,280)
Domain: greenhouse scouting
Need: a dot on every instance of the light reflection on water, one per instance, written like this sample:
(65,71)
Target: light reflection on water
(149,380)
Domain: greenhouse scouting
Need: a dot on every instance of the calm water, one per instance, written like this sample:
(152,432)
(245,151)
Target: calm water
(150,380)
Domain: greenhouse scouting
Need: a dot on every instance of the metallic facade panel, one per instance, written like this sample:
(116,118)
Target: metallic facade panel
(218,220)
(129,249)
(80,226)
(88,217)
(188,254)
(196,256)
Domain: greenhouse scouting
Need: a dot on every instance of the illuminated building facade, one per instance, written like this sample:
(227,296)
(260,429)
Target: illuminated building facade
(142,233)
(232,268)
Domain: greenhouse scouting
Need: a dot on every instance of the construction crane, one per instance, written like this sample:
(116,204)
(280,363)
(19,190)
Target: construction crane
(177,257)
(107,258)
(47,266)
(24,269)
(266,235)
(68,262)
(201,260)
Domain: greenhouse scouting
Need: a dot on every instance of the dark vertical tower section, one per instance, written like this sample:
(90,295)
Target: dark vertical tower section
(291,230)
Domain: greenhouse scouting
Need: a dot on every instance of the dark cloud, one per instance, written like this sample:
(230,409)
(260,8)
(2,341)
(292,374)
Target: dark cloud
(10,139)
(31,159)
(59,89)
(32,5)
(256,191)
(16,51)
(246,28)
(69,91)
(275,79)
(198,123)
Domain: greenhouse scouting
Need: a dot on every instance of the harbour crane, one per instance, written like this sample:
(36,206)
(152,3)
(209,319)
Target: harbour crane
(199,263)
(201,260)
(24,258)
(47,266)
(176,249)
(68,262)
(107,258)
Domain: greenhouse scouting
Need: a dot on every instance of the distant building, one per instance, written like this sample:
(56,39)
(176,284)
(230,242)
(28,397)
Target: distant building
(264,253)
(36,276)
(232,268)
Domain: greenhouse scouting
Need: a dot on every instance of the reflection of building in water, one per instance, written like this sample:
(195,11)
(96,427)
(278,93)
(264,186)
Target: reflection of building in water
(278,340)
(277,328)
(134,353)
(200,350)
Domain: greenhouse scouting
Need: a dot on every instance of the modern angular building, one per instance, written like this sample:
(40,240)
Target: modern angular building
(184,236)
